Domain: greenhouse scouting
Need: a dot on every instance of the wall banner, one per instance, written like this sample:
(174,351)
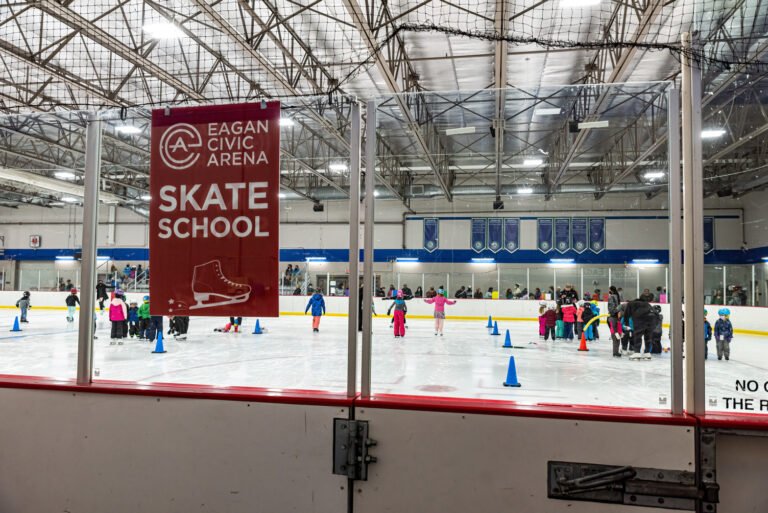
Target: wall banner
(511,234)
(431,234)
(579,238)
(562,234)
(597,234)
(478,236)
(215,212)
(495,234)
(544,232)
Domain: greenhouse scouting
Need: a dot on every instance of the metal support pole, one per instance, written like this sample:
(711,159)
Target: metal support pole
(498,280)
(554,279)
(528,279)
(473,284)
(752,285)
(609,278)
(354,247)
(422,284)
(581,273)
(88,263)
(693,231)
(398,281)
(370,202)
(637,272)
(447,284)
(675,268)
(327,283)
(725,287)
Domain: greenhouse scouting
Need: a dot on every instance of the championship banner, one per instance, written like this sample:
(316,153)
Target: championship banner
(579,230)
(562,234)
(511,234)
(597,234)
(544,234)
(431,234)
(215,212)
(709,235)
(479,229)
(495,229)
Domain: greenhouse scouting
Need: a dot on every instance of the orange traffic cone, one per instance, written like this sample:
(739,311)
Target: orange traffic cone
(583,345)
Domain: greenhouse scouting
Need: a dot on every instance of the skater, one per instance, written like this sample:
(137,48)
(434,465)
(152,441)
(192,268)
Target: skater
(233,324)
(550,319)
(179,325)
(614,323)
(101,294)
(586,316)
(723,334)
(595,313)
(707,335)
(626,327)
(400,310)
(439,301)
(133,319)
(144,319)
(24,304)
(360,310)
(559,324)
(642,317)
(72,302)
(317,304)
(118,313)
(578,326)
(569,318)
(656,330)
(542,319)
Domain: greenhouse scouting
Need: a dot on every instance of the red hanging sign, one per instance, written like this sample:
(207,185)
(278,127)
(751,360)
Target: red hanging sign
(214,210)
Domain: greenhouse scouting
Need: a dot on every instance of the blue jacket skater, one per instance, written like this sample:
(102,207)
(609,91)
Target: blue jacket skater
(723,329)
(317,304)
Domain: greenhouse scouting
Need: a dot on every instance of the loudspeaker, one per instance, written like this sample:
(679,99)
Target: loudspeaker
(318,207)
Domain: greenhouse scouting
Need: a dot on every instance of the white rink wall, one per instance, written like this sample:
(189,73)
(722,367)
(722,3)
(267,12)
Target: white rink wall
(745,319)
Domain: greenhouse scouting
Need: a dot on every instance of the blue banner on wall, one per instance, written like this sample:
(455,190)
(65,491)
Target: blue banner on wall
(478,238)
(495,232)
(431,234)
(597,234)
(709,235)
(511,234)
(579,241)
(562,234)
(544,232)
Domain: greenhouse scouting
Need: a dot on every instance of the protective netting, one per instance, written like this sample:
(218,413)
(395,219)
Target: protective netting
(143,52)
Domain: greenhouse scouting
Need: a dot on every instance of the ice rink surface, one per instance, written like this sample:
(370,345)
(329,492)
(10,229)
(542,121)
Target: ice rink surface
(466,362)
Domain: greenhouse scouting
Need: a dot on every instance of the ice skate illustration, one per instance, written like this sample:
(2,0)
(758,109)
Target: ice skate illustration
(211,288)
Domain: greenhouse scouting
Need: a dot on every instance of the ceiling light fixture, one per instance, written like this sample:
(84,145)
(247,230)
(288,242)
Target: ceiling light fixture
(69,199)
(337,167)
(286,122)
(525,190)
(64,175)
(460,131)
(163,30)
(128,129)
(145,197)
(712,133)
(593,124)
(547,111)
(653,175)
(533,162)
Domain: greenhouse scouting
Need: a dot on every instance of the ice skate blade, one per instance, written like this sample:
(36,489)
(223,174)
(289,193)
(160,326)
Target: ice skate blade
(202,298)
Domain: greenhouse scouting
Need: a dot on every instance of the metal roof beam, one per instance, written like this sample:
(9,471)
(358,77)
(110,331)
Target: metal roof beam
(500,83)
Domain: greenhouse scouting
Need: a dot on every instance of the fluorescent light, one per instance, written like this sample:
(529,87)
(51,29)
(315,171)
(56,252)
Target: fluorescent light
(145,197)
(64,257)
(712,133)
(375,194)
(483,260)
(337,167)
(286,122)
(593,124)
(561,260)
(282,195)
(64,175)
(316,259)
(765,259)
(572,4)
(533,162)
(460,131)
(102,258)
(652,175)
(128,129)
(525,190)
(406,259)
(645,260)
(547,111)
(69,199)
(163,30)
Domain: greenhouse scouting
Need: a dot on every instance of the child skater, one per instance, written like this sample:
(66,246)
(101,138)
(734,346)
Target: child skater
(400,310)
(542,320)
(133,319)
(439,301)
(317,304)
(723,334)
(72,301)
(118,313)
(144,319)
(24,304)
(550,318)
(707,335)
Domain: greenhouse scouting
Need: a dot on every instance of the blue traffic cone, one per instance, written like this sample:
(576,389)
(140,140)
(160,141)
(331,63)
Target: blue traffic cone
(508,340)
(159,347)
(495,328)
(16,324)
(512,374)
(257,328)
(490,323)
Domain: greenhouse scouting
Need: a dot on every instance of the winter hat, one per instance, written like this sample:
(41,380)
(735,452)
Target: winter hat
(146,298)
(399,293)
(441,292)
(724,311)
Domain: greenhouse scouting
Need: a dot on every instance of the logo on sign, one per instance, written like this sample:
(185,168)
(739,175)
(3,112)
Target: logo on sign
(180,146)
(545,245)
(430,244)
(596,245)
(479,245)
(511,245)
(562,245)
(494,245)
(579,245)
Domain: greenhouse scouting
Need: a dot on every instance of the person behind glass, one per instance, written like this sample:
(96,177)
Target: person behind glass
(407,292)
(317,304)
(288,275)
(489,294)
(723,334)
(614,323)
(569,319)
(24,304)
(392,293)
(101,294)
(461,293)
(569,295)
(707,334)
(537,294)
(133,319)
(647,296)
(478,293)
(419,292)
(118,314)
(439,301)
(398,320)
(431,293)
(639,311)
(508,294)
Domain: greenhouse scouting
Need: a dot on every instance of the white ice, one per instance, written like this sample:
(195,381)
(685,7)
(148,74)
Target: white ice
(466,362)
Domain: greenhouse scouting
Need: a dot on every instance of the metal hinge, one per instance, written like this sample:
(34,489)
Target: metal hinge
(350,449)
(635,486)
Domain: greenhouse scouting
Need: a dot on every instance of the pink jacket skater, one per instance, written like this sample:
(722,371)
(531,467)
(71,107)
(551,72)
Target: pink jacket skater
(439,301)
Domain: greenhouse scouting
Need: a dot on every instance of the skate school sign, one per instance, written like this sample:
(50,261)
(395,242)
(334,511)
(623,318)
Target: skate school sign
(214,210)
